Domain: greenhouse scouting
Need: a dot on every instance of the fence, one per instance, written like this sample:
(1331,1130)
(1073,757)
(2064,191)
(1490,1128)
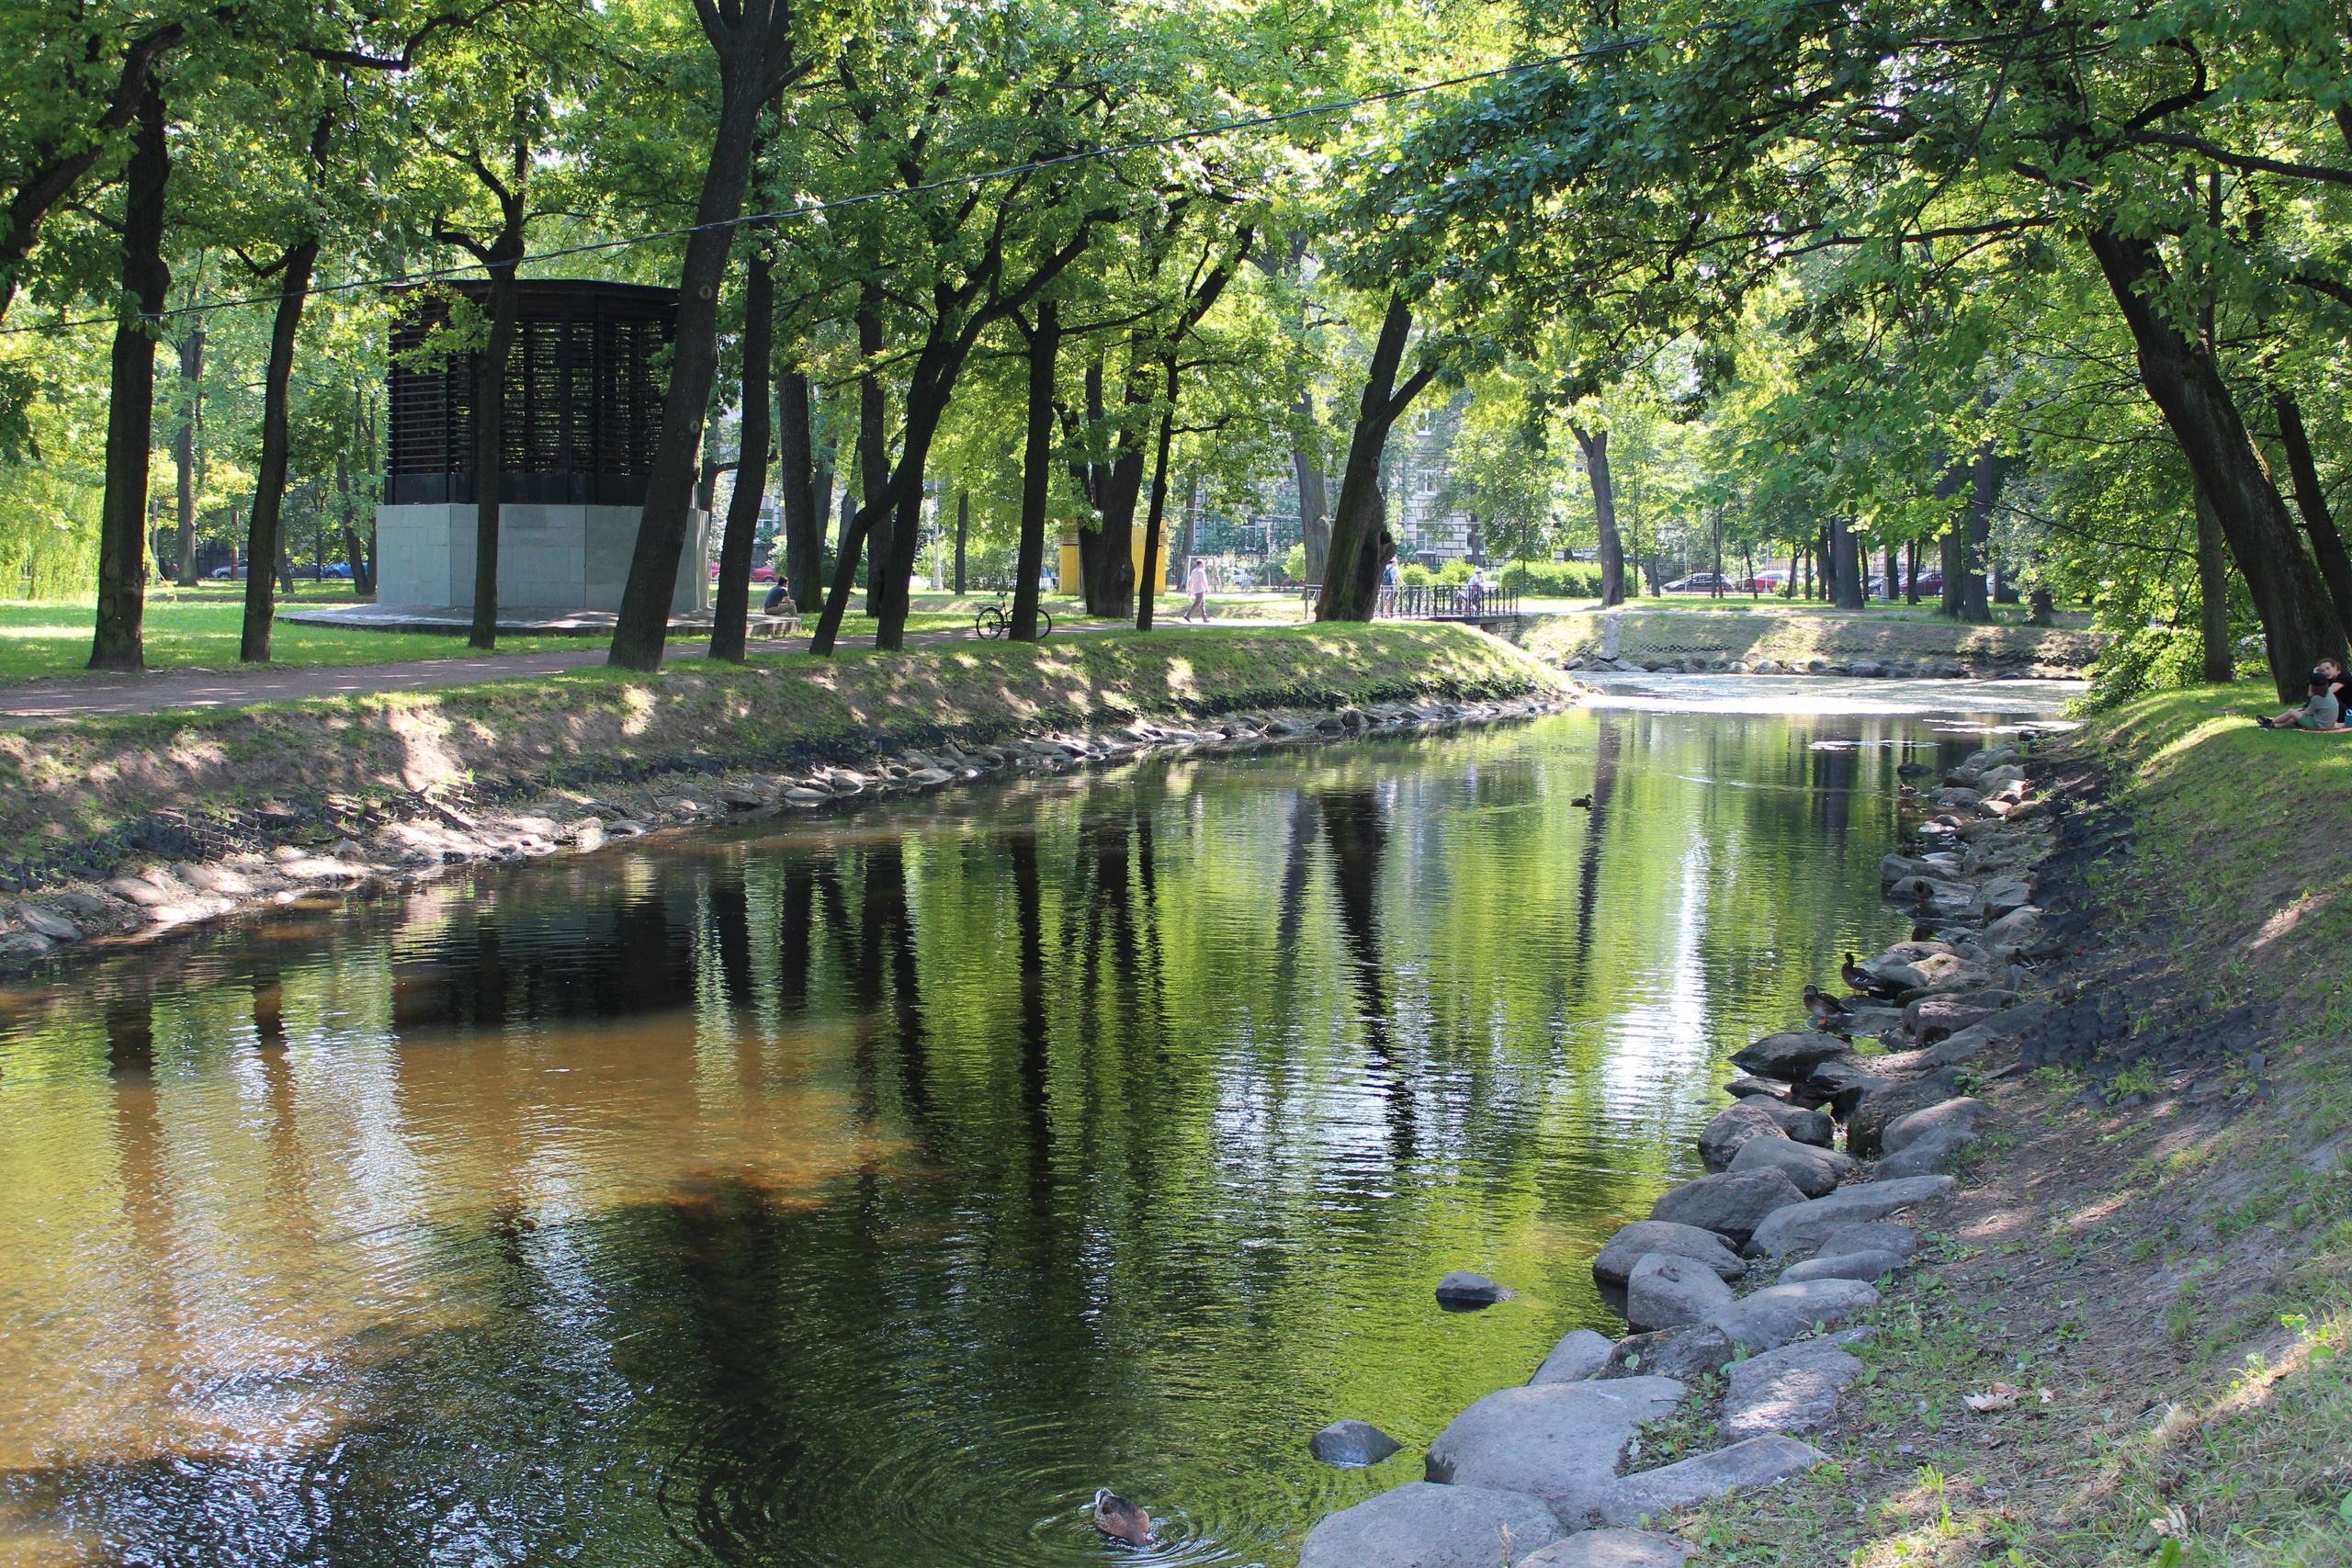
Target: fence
(1453,602)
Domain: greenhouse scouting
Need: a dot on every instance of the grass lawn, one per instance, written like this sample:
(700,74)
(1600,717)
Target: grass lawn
(199,628)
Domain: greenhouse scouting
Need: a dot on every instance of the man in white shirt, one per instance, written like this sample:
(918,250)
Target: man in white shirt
(1196,583)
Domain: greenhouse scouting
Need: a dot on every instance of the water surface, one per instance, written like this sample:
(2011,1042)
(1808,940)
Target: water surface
(868,1190)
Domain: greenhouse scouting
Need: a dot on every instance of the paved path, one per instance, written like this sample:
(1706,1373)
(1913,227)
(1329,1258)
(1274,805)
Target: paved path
(161,690)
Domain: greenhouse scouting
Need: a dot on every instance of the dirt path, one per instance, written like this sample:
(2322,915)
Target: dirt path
(162,691)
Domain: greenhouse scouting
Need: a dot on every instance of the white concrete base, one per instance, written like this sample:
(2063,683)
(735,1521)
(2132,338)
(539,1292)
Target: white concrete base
(548,556)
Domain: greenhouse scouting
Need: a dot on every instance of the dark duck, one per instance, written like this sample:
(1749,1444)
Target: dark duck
(1829,1015)
(1120,1519)
(1863,982)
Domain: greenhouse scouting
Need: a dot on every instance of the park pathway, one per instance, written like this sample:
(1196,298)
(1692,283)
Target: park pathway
(49,698)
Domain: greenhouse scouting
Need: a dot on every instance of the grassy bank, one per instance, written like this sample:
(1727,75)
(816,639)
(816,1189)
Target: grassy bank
(2159,1235)
(1738,629)
(76,798)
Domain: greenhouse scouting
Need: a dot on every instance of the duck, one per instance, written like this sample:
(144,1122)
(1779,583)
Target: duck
(1829,1014)
(1582,802)
(1120,1519)
(1923,933)
(1863,981)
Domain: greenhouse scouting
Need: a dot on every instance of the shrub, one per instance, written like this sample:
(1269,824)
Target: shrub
(1553,579)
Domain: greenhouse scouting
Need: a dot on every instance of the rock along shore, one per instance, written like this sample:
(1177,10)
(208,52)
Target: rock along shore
(435,836)
(1742,1288)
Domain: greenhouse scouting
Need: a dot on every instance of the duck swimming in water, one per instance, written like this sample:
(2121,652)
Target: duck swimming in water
(1583,800)
(1120,1519)
(1829,1015)
(1860,979)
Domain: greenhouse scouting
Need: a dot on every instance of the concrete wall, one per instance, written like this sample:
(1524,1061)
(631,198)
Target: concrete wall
(550,557)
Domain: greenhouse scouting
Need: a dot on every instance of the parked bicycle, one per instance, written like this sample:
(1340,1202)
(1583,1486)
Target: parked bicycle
(996,620)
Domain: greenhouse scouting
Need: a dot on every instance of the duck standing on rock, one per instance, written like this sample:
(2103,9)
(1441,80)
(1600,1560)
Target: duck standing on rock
(1829,1015)
(1120,1519)
(1862,982)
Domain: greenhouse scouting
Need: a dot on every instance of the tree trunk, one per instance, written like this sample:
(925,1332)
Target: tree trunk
(1894,572)
(2214,595)
(963,526)
(1149,587)
(1604,512)
(1191,520)
(184,447)
(1910,573)
(745,81)
(732,605)
(1986,475)
(1847,568)
(118,639)
(265,539)
(1360,520)
(1037,469)
(2310,500)
(2300,622)
(873,443)
(1314,499)
(873,461)
(804,532)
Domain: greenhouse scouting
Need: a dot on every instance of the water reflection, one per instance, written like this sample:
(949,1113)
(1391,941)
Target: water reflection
(869,1191)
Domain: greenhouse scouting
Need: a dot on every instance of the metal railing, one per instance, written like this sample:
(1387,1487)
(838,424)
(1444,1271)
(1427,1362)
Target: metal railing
(1451,602)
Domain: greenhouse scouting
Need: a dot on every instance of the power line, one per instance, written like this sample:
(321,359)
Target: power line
(811,210)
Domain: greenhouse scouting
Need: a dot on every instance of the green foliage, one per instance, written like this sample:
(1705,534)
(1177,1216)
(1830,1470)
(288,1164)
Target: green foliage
(1552,579)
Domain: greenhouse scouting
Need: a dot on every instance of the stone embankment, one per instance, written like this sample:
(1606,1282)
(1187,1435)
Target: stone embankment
(1742,1287)
(434,837)
(1997,667)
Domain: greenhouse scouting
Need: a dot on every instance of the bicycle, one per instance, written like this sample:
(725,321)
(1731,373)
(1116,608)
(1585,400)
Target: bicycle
(996,620)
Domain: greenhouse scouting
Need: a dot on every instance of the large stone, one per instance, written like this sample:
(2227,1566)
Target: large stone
(1612,1549)
(1923,1157)
(1871,1235)
(1867,1266)
(1931,1019)
(1866,1124)
(1959,1114)
(1743,1467)
(1462,1289)
(1793,1389)
(1666,1292)
(1840,1085)
(1735,1126)
(1732,1204)
(1801,1125)
(1815,1171)
(1419,1525)
(1753,1088)
(1679,1353)
(49,923)
(1561,1442)
(1777,1313)
(1812,1223)
(1635,1241)
(1352,1445)
(1788,1057)
(1576,1357)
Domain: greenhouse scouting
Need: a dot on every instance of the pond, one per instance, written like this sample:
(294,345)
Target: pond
(869,1190)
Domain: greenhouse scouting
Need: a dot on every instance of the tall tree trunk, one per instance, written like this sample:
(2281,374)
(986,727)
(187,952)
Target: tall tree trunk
(1910,573)
(1314,499)
(1986,475)
(804,535)
(874,463)
(2213,595)
(1357,524)
(1604,511)
(1191,520)
(752,41)
(1148,589)
(265,539)
(2310,500)
(1893,573)
(184,447)
(1826,550)
(2299,618)
(1846,570)
(732,605)
(489,439)
(118,639)
(1036,468)
(873,438)
(963,526)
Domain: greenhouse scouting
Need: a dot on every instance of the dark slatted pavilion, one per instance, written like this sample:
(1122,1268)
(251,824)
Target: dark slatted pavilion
(583,404)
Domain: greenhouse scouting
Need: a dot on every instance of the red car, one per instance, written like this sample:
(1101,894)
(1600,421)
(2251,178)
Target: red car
(758,574)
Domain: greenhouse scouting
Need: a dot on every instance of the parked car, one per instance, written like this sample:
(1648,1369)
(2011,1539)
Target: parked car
(227,574)
(1699,582)
(759,573)
(339,571)
(1932,581)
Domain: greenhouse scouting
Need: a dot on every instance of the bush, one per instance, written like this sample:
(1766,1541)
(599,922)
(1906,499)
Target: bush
(1419,576)
(1553,579)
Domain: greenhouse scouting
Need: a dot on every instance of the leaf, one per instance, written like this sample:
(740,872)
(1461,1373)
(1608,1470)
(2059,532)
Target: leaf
(2000,1396)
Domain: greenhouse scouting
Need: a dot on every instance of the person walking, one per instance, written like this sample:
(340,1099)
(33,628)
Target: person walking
(1196,583)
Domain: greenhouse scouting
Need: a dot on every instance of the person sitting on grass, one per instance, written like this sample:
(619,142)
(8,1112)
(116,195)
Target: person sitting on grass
(2325,708)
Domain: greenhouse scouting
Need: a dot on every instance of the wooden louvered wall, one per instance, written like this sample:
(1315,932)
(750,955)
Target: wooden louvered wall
(583,403)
